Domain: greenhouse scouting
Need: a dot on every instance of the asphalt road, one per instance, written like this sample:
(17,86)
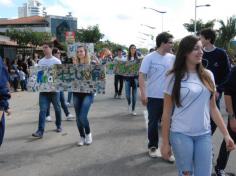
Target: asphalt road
(119,147)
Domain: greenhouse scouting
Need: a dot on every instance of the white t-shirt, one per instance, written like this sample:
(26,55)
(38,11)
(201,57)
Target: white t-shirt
(156,67)
(193,117)
(49,61)
(122,58)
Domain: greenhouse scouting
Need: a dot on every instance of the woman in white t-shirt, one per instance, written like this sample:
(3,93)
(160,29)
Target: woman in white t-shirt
(188,102)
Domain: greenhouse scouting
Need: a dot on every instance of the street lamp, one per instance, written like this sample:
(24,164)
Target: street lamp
(158,11)
(145,34)
(141,38)
(148,26)
(195,17)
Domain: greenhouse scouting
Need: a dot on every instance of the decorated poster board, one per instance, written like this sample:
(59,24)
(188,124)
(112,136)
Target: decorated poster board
(128,68)
(68,77)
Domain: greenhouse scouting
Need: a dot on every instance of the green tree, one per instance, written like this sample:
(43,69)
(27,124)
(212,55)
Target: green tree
(108,44)
(90,35)
(39,37)
(226,32)
(144,51)
(199,25)
(27,36)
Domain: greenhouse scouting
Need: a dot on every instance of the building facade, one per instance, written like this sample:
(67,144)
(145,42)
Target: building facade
(32,8)
(56,25)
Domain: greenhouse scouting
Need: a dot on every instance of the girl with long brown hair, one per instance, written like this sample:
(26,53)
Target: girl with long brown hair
(188,102)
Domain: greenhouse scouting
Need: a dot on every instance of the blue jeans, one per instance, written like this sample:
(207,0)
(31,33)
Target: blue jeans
(2,128)
(82,103)
(63,105)
(192,153)
(45,98)
(69,97)
(131,83)
(155,109)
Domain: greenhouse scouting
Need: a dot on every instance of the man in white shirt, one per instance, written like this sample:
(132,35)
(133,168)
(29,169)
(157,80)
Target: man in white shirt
(45,98)
(155,66)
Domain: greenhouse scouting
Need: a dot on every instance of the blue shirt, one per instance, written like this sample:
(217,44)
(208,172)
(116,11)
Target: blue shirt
(4,90)
(217,62)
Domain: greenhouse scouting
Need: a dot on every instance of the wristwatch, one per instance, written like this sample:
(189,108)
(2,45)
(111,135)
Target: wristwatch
(231,116)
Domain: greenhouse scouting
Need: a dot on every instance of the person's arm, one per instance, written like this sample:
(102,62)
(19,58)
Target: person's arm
(166,118)
(218,119)
(230,111)
(142,73)
(224,72)
(142,88)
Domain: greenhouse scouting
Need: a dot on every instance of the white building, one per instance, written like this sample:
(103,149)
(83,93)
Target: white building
(32,8)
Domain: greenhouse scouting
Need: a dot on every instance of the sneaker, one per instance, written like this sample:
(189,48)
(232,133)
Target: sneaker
(134,113)
(81,142)
(69,117)
(68,104)
(171,159)
(48,119)
(88,139)
(219,172)
(115,95)
(58,130)
(154,152)
(38,134)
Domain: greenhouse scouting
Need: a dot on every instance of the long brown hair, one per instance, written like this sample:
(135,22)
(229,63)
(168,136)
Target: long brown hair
(87,59)
(179,70)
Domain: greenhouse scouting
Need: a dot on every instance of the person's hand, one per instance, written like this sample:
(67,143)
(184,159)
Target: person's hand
(232,124)
(166,151)
(144,100)
(229,143)
(8,112)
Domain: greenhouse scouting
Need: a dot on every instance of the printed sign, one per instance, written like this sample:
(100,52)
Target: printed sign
(71,50)
(68,77)
(70,37)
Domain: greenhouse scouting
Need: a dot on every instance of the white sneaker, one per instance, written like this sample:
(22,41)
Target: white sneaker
(69,104)
(134,113)
(81,142)
(171,159)
(70,117)
(88,139)
(48,119)
(154,152)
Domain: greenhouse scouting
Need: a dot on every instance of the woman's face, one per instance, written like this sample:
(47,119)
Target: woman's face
(81,52)
(195,57)
(58,54)
(133,50)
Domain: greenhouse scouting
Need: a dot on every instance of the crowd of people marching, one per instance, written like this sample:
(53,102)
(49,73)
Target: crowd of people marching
(181,91)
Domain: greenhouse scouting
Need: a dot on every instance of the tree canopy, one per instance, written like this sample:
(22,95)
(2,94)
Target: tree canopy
(199,25)
(27,36)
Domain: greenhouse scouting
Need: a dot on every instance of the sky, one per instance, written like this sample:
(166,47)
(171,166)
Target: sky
(121,20)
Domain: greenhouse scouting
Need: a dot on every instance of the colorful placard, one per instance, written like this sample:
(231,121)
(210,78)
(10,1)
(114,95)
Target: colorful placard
(124,68)
(68,77)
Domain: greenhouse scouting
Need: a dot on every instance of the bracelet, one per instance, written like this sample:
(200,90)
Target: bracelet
(231,116)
